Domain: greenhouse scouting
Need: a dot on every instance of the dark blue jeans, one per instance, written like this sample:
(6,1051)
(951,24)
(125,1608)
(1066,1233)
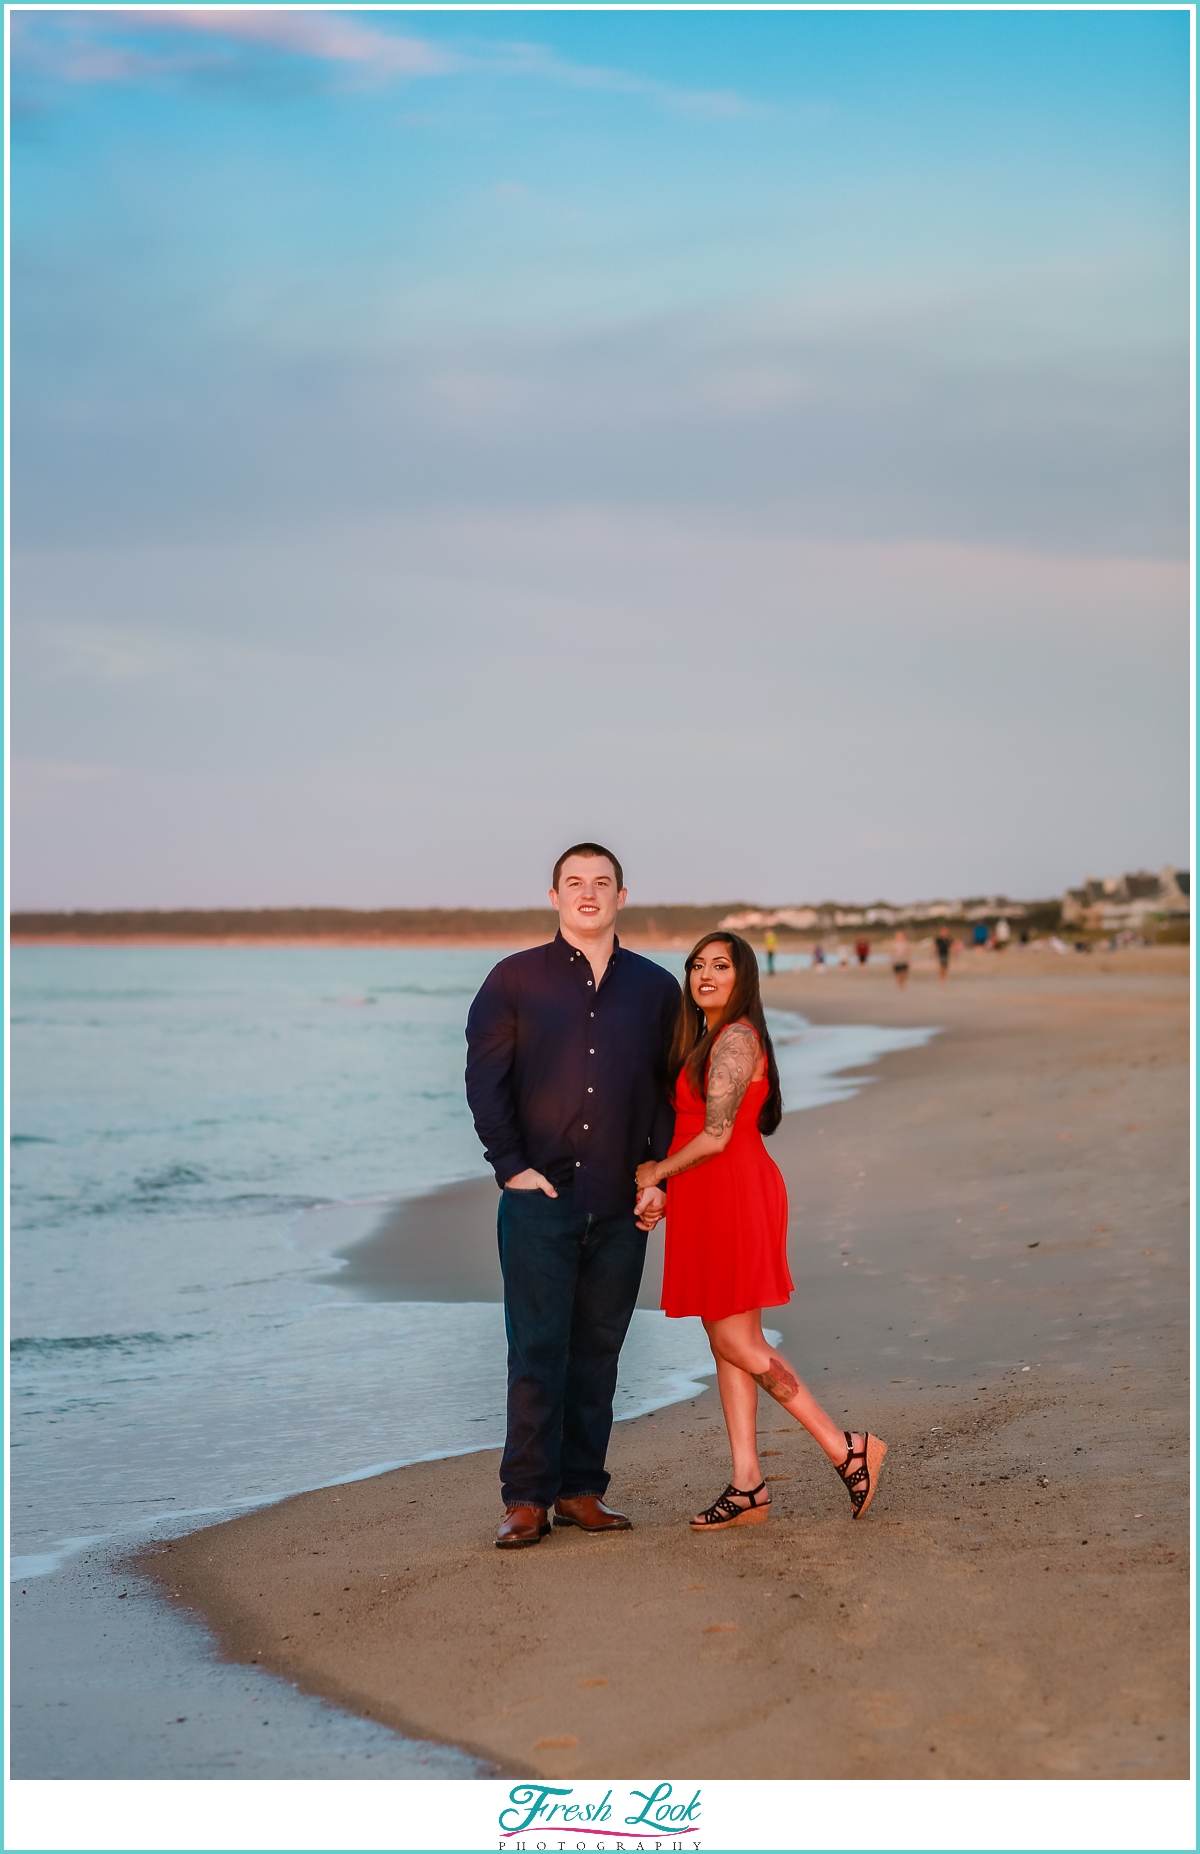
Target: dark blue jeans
(570,1283)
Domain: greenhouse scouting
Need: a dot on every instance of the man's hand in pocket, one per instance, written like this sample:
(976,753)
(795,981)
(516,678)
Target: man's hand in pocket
(529,1180)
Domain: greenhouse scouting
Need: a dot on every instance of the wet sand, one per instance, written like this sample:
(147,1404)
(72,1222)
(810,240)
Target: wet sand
(990,1245)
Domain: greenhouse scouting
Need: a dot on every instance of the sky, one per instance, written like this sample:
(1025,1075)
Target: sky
(758,441)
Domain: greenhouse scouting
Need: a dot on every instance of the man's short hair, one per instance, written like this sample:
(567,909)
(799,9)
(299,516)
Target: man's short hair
(587,849)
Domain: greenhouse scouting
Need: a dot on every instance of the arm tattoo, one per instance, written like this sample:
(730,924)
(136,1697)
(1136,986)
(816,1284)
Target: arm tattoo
(733,1063)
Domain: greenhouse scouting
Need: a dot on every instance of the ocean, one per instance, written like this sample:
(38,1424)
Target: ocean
(182,1120)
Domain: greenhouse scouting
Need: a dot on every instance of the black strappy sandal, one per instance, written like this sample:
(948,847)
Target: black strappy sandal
(862,1481)
(724,1512)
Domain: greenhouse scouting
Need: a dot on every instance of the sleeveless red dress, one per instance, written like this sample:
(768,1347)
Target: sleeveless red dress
(726,1223)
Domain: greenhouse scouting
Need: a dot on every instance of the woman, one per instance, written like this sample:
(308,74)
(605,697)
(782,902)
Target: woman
(900,957)
(726,1248)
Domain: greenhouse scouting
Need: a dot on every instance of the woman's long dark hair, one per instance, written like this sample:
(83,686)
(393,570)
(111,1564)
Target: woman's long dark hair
(693,1042)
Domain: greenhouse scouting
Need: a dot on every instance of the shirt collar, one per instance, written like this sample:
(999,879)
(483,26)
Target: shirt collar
(573,953)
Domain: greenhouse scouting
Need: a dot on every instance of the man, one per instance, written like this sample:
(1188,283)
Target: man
(567,1049)
(770,941)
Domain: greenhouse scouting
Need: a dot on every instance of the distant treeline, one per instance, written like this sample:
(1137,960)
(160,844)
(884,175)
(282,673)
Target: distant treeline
(670,923)
(357,923)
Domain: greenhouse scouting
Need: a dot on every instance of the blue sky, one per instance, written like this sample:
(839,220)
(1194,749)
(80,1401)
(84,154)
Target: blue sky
(435,432)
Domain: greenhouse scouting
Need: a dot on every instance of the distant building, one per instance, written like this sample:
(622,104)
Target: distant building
(1116,903)
(832,914)
(771,917)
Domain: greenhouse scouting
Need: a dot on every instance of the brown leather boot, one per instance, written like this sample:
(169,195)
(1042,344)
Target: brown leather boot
(590,1513)
(522,1525)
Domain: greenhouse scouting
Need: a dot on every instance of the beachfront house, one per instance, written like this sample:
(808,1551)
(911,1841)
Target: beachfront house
(1115,904)
(799,918)
(830,914)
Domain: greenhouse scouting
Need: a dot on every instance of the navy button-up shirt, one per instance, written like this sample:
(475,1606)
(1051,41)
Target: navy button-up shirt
(571,1078)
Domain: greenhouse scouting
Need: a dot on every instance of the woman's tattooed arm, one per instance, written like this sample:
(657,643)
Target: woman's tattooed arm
(730,1072)
(729,1075)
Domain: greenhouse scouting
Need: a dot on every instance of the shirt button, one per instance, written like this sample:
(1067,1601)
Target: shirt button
(589,984)
(585,1126)
(578,1162)
(590,1091)
(591,1052)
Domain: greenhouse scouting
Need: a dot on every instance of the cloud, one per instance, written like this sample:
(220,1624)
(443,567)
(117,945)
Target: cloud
(330,37)
(112,48)
(129,48)
(529,60)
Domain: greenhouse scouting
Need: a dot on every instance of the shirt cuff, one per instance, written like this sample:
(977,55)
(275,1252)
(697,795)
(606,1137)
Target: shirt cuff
(508,1165)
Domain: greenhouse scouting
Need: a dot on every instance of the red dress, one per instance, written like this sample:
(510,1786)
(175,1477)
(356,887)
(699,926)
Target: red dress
(726,1241)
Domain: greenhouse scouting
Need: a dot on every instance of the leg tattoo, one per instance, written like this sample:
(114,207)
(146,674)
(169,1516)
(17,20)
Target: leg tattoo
(778,1380)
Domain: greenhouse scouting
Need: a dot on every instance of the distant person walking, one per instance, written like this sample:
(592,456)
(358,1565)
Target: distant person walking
(727,1215)
(770,942)
(818,957)
(863,948)
(900,957)
(567,1078)
(943,946)
(1003,934)
(980,936)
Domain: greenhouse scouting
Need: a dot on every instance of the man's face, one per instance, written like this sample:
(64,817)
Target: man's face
(587,897)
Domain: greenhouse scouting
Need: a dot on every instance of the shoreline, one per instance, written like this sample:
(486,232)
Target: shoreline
(457,1685)
(435,1244)
(63,1639)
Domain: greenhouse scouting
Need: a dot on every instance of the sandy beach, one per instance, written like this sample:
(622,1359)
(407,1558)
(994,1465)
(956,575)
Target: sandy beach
(990,1245)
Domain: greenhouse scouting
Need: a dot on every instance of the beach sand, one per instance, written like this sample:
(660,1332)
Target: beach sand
(990,1246)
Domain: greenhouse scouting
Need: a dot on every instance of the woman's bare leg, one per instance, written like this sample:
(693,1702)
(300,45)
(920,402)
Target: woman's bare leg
(739,1401)
(738,1341)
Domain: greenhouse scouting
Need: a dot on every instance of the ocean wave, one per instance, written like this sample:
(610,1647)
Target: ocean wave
(36,1346)
(169,1178)
(426,991)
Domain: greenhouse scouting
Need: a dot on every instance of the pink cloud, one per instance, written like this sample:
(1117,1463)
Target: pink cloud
(77,48)
(312,35)
(80,50)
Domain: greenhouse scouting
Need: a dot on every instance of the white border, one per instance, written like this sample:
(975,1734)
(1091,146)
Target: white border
(735,1815)
(7,870)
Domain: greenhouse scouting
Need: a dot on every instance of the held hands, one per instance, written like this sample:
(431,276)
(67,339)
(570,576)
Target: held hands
(650,1208)
(529,1180)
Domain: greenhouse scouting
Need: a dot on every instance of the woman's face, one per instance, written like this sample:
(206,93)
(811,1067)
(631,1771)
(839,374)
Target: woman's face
(712,976)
